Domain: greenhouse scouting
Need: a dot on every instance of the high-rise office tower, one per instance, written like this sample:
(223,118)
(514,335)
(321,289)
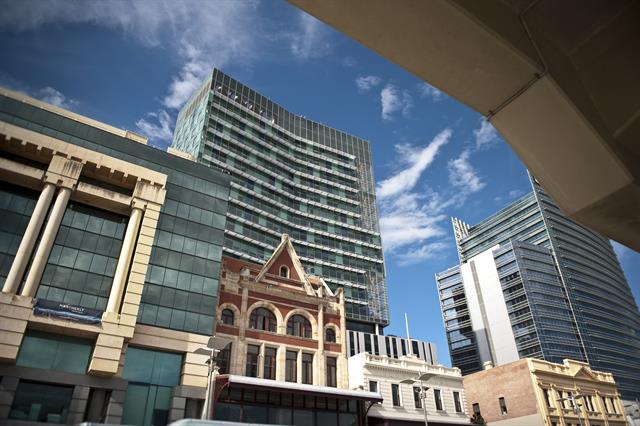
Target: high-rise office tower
(533,283)
(292,176)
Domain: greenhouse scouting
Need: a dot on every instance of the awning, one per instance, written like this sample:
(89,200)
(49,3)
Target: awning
(298,388)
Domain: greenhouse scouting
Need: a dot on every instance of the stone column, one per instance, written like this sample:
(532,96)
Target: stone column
(29,239)
(124,260)
(64,173)
(281,363)
(46,243)
(320,358)
(299,367)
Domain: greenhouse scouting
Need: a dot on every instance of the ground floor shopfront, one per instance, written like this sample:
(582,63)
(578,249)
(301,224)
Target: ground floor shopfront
(254,400)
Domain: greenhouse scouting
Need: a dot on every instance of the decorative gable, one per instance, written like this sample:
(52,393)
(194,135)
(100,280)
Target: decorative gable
(285,257)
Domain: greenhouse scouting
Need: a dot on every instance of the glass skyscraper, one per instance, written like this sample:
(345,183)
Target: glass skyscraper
(295,176)
(533,283)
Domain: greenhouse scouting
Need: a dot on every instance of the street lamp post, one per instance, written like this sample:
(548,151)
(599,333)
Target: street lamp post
(423,391)
(214,346)
(576,405)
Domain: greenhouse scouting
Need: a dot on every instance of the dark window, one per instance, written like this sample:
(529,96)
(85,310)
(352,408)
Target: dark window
(270,363)
(224,359)
(476,408)
(291,367)
(83,259)
(332,365)
(253,351)
(330,335)
(503,405)
(284,271)
(54,352)
(96,411)
(395,395)
(416,397)
(456,402)
(262,319)
(307,368)
(299,326)
(547,397)
(438,397)
(39,402)
(227,316)
(373,386)
(16,207)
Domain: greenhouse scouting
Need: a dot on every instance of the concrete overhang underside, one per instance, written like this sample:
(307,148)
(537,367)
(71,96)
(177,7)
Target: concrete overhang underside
(558,79)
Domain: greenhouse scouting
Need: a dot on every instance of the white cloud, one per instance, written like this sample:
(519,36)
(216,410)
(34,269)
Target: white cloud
(417,160)
(311,40)
(425,90)
(199,35)
(422,253)
(393,100)
(55,97)
(157,126)
(463,175)
(365,83)
(409,217)
(486,135)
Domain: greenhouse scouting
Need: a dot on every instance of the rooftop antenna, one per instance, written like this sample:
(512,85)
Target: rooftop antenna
(406,323)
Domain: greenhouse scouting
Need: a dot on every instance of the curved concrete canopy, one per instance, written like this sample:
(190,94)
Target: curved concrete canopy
(558,79)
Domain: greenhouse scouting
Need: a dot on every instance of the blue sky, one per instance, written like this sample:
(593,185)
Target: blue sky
(133,65)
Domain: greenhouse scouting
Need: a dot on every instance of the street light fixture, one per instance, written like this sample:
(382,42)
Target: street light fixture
(214,345)
(422,394)
(576,405)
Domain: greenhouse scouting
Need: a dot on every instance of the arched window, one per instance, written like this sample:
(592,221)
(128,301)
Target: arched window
(298,326)
(227,316)
(284,271)
(262,319)
(330,335)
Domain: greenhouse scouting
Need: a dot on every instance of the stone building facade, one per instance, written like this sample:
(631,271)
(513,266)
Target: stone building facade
(108,270)
(394,378)
(309,321)
(532,392)
(286,363)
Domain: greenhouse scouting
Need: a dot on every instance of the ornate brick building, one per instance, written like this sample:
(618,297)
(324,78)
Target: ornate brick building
(286,325)
(287,361)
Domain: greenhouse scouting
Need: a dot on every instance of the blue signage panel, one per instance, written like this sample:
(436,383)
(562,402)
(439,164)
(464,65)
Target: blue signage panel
(67,311)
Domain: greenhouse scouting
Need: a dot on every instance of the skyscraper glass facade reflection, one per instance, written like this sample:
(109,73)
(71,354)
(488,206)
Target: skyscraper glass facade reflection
(295,176)
(533,283)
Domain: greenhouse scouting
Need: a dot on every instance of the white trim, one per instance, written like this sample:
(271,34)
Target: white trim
(253,381)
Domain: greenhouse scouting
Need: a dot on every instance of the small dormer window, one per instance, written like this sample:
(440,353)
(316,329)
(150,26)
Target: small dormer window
(284,271)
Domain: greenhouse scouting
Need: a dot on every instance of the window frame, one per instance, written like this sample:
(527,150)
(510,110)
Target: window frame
(253,362)
(395,395)
(227,314)
(437,397)
(332,371)
(263,319)
(326,335)
(503,406)
(299,326)
(291,366)
(270,363)
(285,269)
(307,368)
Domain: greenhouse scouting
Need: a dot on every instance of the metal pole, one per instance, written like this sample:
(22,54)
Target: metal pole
(207,397)
(423,396)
